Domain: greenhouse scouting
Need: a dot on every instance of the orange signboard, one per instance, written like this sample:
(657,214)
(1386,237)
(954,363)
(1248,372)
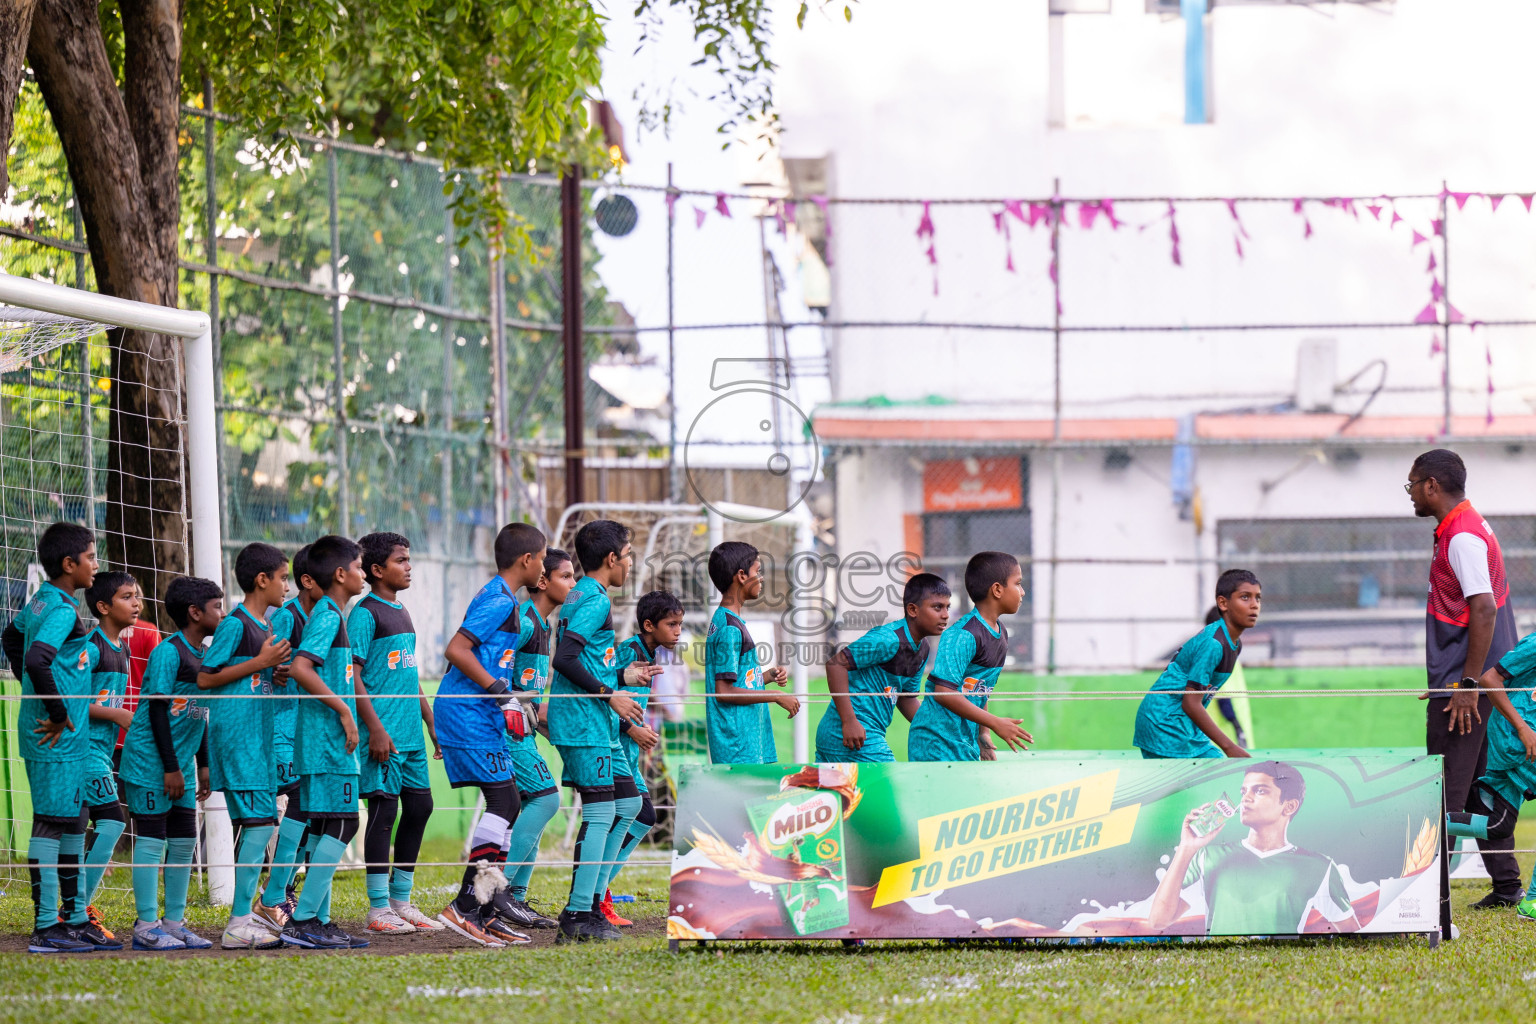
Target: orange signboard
(964,485)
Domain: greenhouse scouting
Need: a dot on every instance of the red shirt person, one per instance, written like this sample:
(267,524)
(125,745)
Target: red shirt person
(1469,626)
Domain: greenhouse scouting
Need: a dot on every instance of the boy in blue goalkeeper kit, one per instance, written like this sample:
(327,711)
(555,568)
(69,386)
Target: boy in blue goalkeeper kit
(48,653)
(971,653)
(237,676)
(659,623)
(394,768)
(880,673)
(736,715)
(474,710)
(114,598)
(1509,780)
(536,787)
(279,900)
(1172,720)
(585,713)
(325,740)
(166,742)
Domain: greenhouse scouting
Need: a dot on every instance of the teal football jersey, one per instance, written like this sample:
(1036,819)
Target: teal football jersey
(52,618)
(585,720)
(241,714)
(319,742)
(737,733)
(171,675)
(109,687)
(1205,661)
(384,649)
(970,657)
(531,663)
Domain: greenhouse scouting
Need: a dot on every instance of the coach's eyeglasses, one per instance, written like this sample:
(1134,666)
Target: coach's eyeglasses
(1411,484)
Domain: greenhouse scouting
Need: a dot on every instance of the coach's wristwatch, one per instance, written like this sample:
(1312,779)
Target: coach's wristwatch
(1468,682)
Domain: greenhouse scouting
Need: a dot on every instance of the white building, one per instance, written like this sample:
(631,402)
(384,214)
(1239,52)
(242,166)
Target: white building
(1310,420)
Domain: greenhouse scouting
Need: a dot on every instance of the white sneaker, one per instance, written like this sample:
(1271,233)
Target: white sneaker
(412,915)
(248,933)
(383,919)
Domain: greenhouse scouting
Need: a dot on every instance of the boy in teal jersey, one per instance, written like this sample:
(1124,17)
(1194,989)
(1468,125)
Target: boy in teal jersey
(325,740)
(536,787)
(879,673)
(1172,720)
(279,899)
(114,598)
(1509,780)
(166,743)
(237,675)
(585,712)
(948,723)
(394,777)
(659,621)
(736,715)
(46,647)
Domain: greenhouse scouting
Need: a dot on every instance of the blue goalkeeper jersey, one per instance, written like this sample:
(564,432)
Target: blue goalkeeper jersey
(1205,661)
(969,659)
(241,714)
(384,648)
(464,715)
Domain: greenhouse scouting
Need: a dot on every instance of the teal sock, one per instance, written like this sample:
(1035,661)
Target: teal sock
(108,832)
(1530,893)
(147,855)
(178,875)
(71,899)
(248,864)
(45,880)
(523,844)
(624,812)
(401,882)
(591,844)
(378,889)
(315,900)
(284,861)
(1475,827)
(637,831)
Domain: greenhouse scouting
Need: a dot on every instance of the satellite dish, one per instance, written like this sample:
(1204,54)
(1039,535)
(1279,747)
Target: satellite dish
(616,215)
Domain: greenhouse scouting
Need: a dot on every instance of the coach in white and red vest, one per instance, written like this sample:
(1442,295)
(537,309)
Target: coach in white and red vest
(1470,626)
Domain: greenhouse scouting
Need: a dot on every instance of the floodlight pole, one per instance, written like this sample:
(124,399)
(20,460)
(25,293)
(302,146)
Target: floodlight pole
(575,371)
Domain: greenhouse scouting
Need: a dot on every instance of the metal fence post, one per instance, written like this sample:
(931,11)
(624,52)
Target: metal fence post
(1445,305)
(88,427)
(450,328)
(1058,208)
(211,247)
(344,495)
(499,384)
(673,490)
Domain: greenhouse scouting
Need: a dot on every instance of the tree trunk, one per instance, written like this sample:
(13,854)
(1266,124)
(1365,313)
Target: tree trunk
(126,192)
(15,24)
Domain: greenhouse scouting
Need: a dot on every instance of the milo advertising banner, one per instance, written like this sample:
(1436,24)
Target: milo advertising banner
(1304,842)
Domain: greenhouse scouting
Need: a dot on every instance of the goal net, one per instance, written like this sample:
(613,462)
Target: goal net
(59,452)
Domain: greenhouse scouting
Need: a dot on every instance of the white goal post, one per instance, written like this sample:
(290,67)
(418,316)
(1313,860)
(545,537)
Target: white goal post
(202,473)
(196,332)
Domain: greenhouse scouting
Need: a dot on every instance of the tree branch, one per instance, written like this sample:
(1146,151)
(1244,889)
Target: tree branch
(15,25)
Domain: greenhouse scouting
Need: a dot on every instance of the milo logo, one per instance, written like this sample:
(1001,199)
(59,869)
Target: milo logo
(812,817)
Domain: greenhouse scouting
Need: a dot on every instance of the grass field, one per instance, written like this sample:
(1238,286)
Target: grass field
(1488,974)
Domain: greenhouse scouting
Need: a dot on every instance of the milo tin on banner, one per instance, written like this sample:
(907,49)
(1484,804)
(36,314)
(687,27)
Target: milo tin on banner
(803,828)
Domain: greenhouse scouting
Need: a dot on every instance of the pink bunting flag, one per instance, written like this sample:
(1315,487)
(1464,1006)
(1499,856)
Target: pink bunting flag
(1436,289)
(1453,315)
(672,195)
(1375,210)
(1396,217)
(1417,238)
(1087,213)
(1240,232)
(1039,212)
(720,207)
(1432,264)
(1000,225)
(1015,208)
(1438,227)
(1526,199)
(698,217)
(1494,201)
(1173,234)
(1427,315)
(1435,348)
(1108,208)
(1296,205)
(1461,198)
(925,231)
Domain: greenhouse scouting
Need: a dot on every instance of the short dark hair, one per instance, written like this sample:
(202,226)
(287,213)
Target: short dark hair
(552,559)
(301,565)
(61,541)
(920,587)
(727,560)
(1212,615)
(599,539)
(377,547)
(1228,582)
(1287,779)
(1446,467)
(655,606)
(189,592)
(328,554)
(105,587)
(255,559)
(514,541)
(986,568)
